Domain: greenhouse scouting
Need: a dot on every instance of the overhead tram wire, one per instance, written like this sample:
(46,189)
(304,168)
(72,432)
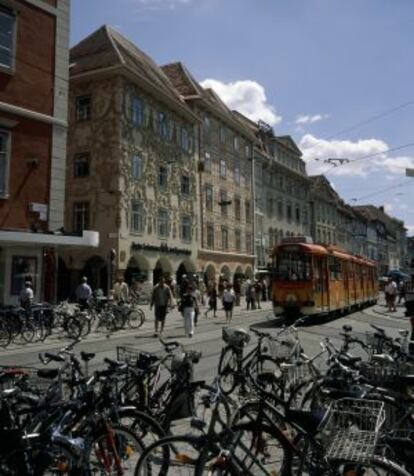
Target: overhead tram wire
(371,119)
(378,192)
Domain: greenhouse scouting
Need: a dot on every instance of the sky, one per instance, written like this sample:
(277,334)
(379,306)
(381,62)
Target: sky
(334,74)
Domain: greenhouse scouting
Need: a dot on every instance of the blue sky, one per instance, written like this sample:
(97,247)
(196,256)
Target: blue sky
(311,68)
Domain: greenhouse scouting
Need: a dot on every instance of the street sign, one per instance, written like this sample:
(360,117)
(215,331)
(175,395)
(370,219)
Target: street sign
(409,172)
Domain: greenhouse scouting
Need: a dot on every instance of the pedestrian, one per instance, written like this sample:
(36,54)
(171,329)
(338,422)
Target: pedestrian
(250,297)
(188,308)
(229,298)
(83,293)
(391,291)
(264,290)
(161,298)
(220,287)
(212,300)
(258,293)
(121,290)
(197,295)
(26,296)
(401,291)
(237,291)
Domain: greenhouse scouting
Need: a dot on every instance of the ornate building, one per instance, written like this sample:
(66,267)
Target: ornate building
(132,164)
(225,181)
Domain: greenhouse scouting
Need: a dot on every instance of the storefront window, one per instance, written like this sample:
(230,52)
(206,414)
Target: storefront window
(24,268)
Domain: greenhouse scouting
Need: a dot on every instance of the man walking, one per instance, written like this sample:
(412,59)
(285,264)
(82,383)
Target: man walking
(391,292)
(121,290)
(26,296)
(161,298)
(83,293)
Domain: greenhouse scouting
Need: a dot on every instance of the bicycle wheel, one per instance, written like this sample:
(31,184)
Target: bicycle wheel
(142,425)
(176,455)
(135,318)
(27,331)
(227,371)
(266,374)
(73,328)
(255,449)
(114,452)
(5,335)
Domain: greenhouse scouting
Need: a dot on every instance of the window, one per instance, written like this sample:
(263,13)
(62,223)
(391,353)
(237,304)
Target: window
(237,240)
(293,266)
(185,140)
(210,236)
(247,151)
(237,208)
(80,216)
(137,111)
(162,177)
(137,217)
(297,214)
(206,128)
(136,167)
(223,203)
(223,169)
(83,108)
(222,134)
(269,207)
(186,228)
(236,143)
(7,38)
(280,209)
(305,216)
(335,268)
(4,162)
(207,163)
(237,170)
(248,243)
(81,165)
(248,212)
(163,125)
(289,212)
(163,223)
(224,238)
(185,185)
(209,198)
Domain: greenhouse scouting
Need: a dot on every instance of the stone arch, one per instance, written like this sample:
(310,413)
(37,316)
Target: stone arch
(248,272)
(209,273)
(225,272)
(186,267)
(162,267)
(137,269)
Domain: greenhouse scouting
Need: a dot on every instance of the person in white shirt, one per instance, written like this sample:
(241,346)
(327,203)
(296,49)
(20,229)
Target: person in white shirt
(83,293)
(26,295)
(121,290)
(229,297)
(391,291)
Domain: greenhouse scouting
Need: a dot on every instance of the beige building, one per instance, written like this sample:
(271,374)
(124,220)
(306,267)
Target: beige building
(225,181)
(132,164)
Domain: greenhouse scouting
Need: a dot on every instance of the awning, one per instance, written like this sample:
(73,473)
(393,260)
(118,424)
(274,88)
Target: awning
(21,238)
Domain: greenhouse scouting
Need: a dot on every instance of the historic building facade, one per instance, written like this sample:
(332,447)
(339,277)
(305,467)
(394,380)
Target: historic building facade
(33,124)
(225,181)
(132,164)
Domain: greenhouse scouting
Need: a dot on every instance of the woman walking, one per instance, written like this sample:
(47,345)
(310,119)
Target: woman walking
(188,308)
(212,300)
(228,302)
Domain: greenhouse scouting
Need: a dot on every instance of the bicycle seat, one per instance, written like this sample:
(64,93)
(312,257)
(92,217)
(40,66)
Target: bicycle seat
(48,373)
(348,359)
(87,356)
(347,328)
(308,420)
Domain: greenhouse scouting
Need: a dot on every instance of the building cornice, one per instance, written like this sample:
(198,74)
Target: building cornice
(37,116)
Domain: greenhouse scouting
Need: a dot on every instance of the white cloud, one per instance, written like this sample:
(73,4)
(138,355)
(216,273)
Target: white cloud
(310,119)
(410,229)
(321,149)
(388,207)
(247,97)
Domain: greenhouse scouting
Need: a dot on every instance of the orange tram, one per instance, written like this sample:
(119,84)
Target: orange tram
(310,279)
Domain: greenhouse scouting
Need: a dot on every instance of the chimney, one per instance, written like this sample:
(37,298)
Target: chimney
(381,209)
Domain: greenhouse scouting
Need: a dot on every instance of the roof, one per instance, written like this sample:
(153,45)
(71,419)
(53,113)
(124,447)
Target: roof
(288,142)
(373,213)
(319,183)
(106,47)
(189,89)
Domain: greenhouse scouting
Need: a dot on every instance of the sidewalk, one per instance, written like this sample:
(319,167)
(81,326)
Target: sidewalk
(381,309)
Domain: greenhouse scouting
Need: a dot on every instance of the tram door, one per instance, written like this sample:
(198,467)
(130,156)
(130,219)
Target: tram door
(321,282)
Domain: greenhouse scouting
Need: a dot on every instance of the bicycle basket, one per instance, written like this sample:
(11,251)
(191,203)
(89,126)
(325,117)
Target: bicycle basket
(384,374)
(235,337)
(280,350)
(350,429)
(375,342)
(133,356)
(295,374)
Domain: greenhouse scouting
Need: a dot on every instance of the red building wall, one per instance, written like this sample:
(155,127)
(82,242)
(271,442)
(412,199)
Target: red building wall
(31,84)
(30,87)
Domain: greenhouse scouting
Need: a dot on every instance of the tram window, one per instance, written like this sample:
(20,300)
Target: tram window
(335,269)
(293,267)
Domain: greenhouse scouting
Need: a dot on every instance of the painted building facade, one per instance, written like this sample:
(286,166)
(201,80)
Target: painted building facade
(225,181)
(132,165)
